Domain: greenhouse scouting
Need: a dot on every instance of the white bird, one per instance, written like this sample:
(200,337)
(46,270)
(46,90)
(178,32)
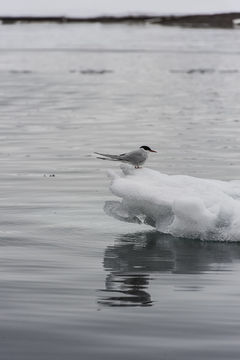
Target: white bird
(136,157)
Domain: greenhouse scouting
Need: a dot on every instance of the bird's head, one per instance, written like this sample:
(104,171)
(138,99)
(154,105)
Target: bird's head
(147,148)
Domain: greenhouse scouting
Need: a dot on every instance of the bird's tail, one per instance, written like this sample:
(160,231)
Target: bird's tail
(107,157)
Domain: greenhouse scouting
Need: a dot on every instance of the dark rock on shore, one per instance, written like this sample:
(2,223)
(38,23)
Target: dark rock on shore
(201,21)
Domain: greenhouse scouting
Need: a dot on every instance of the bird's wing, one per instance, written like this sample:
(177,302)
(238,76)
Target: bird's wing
(108,156)
(131,156)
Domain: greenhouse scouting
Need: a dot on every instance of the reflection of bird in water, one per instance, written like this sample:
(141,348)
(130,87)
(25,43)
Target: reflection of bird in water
(132,260)
(127,290)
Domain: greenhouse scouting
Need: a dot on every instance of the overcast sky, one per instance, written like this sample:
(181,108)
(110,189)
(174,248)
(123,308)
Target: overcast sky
(99,7)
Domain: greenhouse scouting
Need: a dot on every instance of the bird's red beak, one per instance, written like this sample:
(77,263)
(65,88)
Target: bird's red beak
(153,151)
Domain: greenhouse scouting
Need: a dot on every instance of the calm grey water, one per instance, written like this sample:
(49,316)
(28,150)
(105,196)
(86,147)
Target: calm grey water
(76,284)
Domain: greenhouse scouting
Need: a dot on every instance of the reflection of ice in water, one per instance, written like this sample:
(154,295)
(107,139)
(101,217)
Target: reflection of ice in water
(179,205)
(133,262)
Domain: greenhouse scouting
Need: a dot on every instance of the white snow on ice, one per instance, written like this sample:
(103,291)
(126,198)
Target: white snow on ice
(180,205)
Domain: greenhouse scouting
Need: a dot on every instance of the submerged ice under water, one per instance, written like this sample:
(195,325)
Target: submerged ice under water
(180,205)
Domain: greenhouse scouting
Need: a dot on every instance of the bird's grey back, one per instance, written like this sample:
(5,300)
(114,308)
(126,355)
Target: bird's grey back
(136,157)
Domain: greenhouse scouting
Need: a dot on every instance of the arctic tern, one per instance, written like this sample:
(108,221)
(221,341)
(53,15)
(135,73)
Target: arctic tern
(135,158)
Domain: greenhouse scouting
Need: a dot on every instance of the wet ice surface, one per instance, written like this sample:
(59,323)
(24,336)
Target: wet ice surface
(75,282)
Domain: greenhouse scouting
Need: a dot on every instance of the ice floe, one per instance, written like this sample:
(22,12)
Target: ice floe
(180,205)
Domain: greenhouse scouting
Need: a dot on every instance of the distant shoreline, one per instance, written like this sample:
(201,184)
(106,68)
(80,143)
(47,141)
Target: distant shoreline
(224,20)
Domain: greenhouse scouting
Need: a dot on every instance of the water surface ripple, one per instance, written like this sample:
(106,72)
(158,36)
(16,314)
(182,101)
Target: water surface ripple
(74,282)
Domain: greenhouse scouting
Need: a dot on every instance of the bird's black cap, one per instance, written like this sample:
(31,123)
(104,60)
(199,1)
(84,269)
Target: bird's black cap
(147,148)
